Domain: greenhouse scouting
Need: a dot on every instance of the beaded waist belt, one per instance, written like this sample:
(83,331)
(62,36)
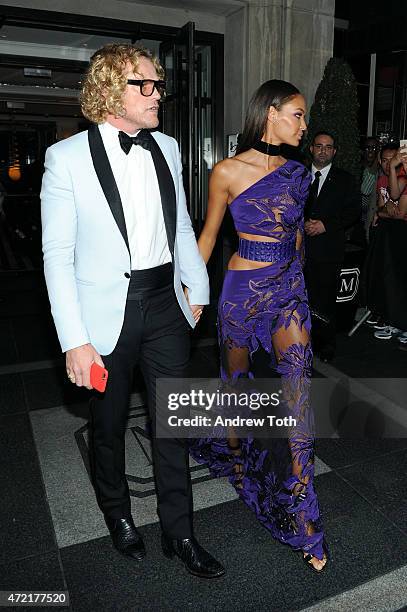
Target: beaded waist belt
(266,251)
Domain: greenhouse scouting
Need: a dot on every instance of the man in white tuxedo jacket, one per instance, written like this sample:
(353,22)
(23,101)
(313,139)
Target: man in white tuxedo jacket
(118,249)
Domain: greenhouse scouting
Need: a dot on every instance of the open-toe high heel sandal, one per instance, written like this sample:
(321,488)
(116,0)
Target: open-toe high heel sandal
(299,491)
(308,559)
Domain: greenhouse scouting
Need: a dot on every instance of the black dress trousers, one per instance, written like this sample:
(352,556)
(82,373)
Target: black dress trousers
(322,282)
(155,335)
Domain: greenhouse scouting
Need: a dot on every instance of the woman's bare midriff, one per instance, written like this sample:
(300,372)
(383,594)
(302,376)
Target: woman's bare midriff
(239,263)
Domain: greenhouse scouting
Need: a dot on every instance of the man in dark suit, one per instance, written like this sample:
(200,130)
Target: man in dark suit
(118,249)
(333,205)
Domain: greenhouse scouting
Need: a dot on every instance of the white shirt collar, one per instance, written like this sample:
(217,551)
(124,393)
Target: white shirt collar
(323,171)
(110,133)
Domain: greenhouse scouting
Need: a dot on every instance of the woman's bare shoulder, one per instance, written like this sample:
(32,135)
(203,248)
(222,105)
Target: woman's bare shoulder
(229,168)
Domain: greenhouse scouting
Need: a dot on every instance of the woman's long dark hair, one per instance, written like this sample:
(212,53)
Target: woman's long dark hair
(271,93)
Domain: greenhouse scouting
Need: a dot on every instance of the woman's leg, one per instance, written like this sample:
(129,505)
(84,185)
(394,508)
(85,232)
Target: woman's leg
(235,364)
(294,361)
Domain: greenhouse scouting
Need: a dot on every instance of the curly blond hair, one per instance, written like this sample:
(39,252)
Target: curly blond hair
(105,81)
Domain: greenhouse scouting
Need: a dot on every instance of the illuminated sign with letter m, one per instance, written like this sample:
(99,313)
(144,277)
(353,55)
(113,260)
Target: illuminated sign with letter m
(348,284)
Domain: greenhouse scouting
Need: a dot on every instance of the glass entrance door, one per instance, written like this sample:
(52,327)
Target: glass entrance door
(177,58)
(188,113)
(193,114)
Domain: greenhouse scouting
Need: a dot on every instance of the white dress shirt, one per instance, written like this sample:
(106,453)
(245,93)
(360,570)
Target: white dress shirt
(137,183)
(324,174)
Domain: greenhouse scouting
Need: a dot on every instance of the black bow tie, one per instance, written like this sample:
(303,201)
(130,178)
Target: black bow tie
(143,139)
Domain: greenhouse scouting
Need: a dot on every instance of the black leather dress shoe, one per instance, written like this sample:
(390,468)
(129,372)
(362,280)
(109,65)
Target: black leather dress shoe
(126,538)
(196,559)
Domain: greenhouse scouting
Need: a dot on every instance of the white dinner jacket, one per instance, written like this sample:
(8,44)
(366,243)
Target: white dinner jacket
(86,258)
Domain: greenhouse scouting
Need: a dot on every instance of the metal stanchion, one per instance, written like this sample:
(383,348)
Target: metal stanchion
(360,322)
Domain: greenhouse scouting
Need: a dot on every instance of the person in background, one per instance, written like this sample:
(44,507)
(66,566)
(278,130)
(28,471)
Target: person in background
(333,205)
(388,193)
(392,205)
(397,186)
(402,338)
(368,185)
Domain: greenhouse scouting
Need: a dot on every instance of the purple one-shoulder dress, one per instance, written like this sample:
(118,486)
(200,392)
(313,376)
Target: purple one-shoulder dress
(268,307)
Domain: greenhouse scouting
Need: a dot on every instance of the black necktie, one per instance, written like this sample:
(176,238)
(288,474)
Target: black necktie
(312,196)
(315,186)
(143,139)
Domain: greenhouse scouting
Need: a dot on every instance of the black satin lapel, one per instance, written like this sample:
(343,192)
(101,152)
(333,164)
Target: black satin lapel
(167,192)
(106,179)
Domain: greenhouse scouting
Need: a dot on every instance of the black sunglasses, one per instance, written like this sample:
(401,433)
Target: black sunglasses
(147,86)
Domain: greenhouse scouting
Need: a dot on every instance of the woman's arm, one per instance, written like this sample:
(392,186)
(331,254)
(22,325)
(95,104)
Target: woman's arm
(218,198)
(396,183)
(299,244)
(385,210)
(381,207)
(403,206)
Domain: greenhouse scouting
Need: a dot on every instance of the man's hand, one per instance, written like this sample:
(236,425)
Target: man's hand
(196,309)
(78,362)
(313,227)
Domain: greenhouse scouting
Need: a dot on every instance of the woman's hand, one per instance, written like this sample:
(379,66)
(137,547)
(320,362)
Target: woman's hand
(392,209)
(399,158)
(403,157)
(196,309)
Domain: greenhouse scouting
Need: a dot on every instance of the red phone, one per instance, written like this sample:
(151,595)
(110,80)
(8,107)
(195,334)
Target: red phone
(98,377)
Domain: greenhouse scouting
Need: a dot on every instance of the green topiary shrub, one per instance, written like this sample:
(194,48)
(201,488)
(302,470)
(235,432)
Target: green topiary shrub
(335,109)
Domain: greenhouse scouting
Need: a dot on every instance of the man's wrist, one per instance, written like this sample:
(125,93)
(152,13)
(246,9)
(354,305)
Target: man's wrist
(74,348)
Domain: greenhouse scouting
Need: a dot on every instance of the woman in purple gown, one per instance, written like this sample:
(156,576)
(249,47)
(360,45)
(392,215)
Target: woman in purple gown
(264,303)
